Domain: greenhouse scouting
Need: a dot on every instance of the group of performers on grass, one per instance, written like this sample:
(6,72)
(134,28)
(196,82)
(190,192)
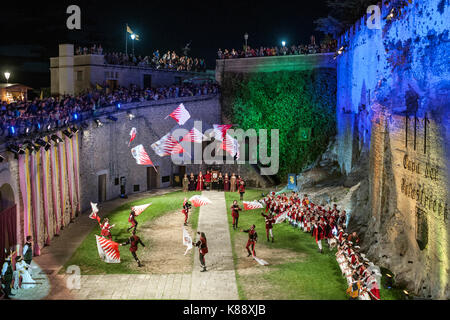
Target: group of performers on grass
(326,224)
(323,223)
(21,277)
(213,181)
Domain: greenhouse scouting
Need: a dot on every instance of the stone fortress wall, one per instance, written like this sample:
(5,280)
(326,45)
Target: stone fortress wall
(393,115)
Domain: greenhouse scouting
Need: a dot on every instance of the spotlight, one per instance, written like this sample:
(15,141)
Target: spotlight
(391,15)
(75,116)
(340,51)
(43,143)
(67,134)
(49,127)
(30,145)
(114,119)
(16,150)
(12,129)
(2,158)
(131,116)
(118,106)
(56,139)
(99,123)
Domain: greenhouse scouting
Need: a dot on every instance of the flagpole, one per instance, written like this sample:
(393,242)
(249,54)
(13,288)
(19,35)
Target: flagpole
(126,39)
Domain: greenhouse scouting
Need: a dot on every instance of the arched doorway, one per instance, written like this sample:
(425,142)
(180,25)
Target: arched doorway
(8,220)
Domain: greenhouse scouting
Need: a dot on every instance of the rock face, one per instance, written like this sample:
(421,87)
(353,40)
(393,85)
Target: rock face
(394,136)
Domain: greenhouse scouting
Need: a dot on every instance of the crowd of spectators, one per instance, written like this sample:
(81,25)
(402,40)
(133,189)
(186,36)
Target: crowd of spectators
(249,52)
(329,225)
(25,117)
(169,60)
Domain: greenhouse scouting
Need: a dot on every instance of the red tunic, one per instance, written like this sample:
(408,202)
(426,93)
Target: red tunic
(203,246)
(241,188)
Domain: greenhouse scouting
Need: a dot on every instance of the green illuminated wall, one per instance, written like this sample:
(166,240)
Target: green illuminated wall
(286,101)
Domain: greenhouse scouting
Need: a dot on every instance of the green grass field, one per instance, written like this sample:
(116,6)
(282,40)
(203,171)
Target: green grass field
(86,256)
(316,277)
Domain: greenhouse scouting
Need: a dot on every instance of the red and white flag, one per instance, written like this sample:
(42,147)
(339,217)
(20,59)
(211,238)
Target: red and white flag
(108,250)
(187,240)
(141,156)
(167,146)
(180,115)
(252,205)
(231,145)
(281,217)
(199,201)
(133,134)
(94,214)
(220,131)
(139,209)
(193,136)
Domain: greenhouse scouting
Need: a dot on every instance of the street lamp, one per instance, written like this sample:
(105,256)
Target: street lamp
(246,38)
(133,37)
(7,75)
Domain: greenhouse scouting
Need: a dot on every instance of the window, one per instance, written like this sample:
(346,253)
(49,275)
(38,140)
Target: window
(79,75)
(166,179)
(136,188)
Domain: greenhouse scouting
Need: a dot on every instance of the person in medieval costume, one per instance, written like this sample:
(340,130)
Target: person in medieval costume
(23,271)
(134,241)
(270,221)
(106,229)
(202,245)
(27,251)
(233,183)
(185,183)
(226,183)
(133,221)
(200,182)
(7,276)
(220,182)
(192,186)
(238,183)
(208,181)
(252,239)
(235,214)
(186,207)
(241,189)
(318,234)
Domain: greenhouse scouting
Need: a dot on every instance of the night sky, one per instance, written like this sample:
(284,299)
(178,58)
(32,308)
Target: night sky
(34,30)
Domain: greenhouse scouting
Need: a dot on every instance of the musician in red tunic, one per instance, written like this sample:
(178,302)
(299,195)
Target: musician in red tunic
(270,221)
(208,180)
(134,241)
(132,220)
(200,182)
(252,239)
(106,229)
(318,234)
(235,214)
(202,245)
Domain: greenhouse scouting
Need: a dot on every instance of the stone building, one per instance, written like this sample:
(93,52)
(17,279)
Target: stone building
(72,74)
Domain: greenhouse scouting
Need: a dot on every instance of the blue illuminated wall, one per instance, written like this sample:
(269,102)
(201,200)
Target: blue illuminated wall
(393,104)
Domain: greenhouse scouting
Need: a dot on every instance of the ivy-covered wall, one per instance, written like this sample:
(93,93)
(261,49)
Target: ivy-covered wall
(287,101)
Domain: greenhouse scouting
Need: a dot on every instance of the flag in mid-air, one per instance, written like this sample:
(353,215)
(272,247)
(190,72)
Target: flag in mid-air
(220,131)
(139,209)
(141,156)
(108,250)
(180,115)
(281,217)
(94,214)
(199,201)
(193,136)
(167,146)
(252,205)
(187,240)
(133,134)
